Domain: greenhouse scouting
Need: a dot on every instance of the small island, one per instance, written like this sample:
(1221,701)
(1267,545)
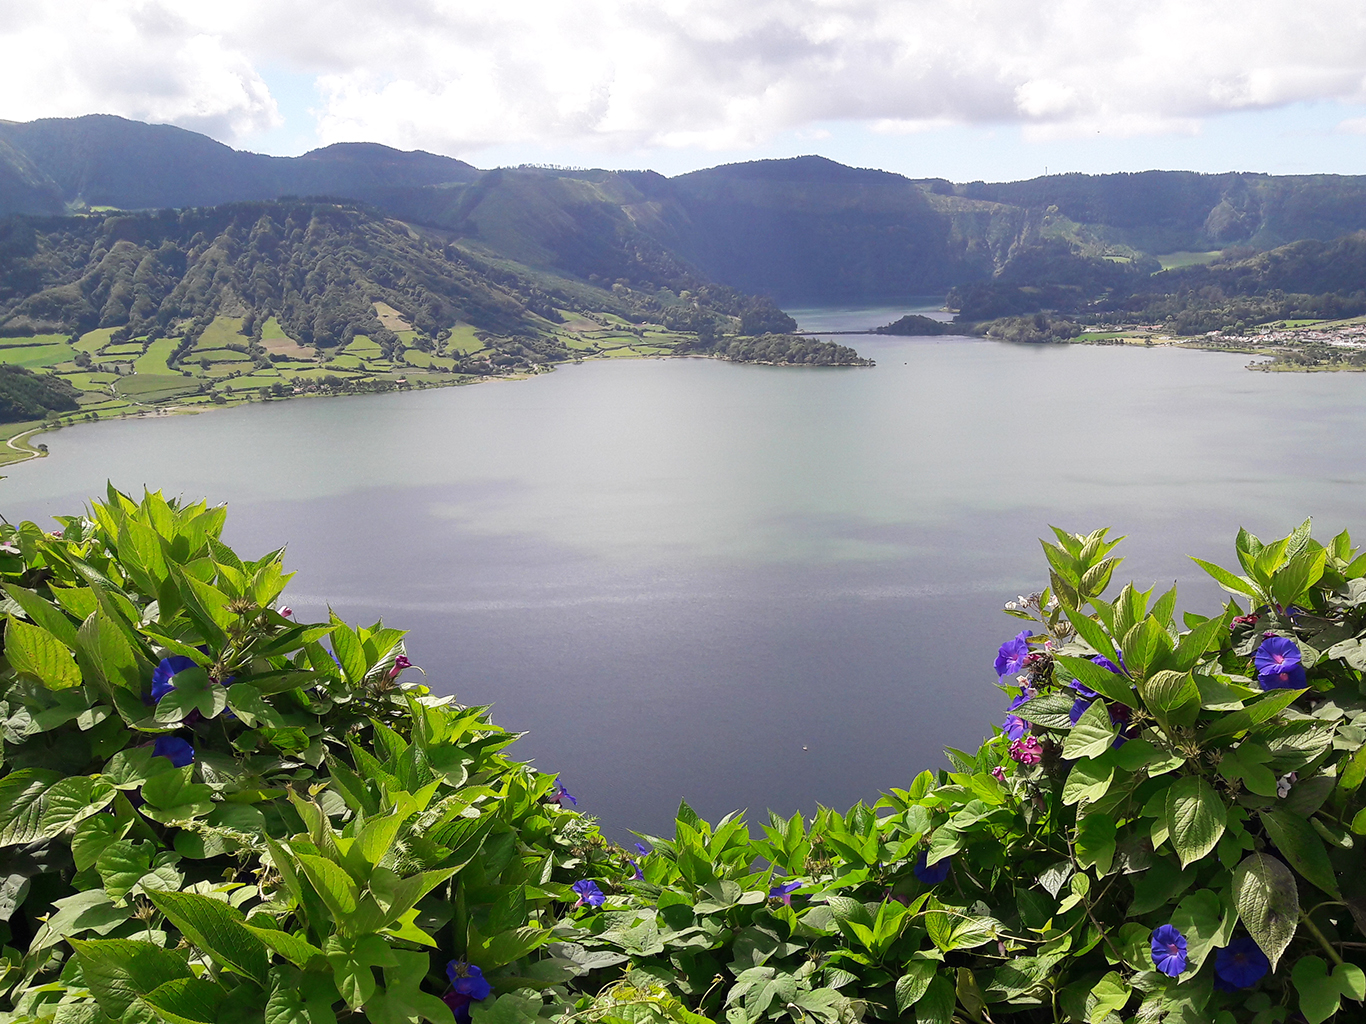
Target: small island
(915,325)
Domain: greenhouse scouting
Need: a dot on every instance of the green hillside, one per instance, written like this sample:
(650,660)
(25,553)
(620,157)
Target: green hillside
(802,231)
(140,313)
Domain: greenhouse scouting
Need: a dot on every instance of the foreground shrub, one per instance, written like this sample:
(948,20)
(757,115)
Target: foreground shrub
(209,812)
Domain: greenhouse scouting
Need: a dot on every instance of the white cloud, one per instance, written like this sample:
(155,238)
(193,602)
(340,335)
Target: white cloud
(459,75)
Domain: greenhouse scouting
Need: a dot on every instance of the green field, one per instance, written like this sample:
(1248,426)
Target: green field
(464,341)
(220,369)
(36,356)
(1175,260)
(154,359)
(224,331)
(272,331)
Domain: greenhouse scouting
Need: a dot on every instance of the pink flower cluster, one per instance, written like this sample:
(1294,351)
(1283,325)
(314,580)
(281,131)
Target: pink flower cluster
(1026,751)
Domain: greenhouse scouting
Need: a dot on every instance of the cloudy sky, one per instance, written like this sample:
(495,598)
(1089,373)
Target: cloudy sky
(963,89)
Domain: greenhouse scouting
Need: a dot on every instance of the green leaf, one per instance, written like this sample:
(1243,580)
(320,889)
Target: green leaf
(347,647)
(1197,917)
(44,613)
(1319,996)
(1354,774)
(402,1001)
(1096,842)
(21,804)
(194,691)
(912,985)
(122,864)
(291,947)
(1093,633)
(186,1001)
(1088,781)
(1301,845)
(1233,584)
(1096,677)
(1190,647)
(1051,710)
(1196,817)
(171,796)
(1145,646)
(117,971)
(353,964)
(1351,981)
(1107,995)
(1093,733)
(1268,903)
(34,651)
(1262,710)
(1300,573)
(105,653)
(71,801)
(333,885)
(1173,697)
(216,928)
(936,1005)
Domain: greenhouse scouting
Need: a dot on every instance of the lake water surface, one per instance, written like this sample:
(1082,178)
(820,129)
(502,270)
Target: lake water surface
(750,586)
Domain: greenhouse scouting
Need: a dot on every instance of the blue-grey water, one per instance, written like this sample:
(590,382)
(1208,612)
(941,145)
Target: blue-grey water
(750,586)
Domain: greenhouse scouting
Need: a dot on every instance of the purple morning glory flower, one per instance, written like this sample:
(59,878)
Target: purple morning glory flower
(642,849)
(1240,964)
(639,876)
(784,892)
(1106,663)
(931,875)
(1169,950)
(163,678)
(1010,658)
(1292,679)
(589,893)
(1278,664)
(1079,707)
(561,795)
(468,979)
(1086,691)
(1014,726)
(467,984)
(174,749)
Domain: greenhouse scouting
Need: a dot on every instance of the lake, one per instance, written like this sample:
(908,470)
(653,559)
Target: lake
(750,586)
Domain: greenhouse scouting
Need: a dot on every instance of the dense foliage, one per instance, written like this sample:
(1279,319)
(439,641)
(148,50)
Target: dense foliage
(212,813)
(913,324)
(25,395)
(779,350)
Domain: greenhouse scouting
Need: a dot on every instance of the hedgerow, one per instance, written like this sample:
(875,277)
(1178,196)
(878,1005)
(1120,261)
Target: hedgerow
(210,812)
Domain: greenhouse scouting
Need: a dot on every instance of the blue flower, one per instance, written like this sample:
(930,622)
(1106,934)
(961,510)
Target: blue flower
(1169,950)
(467,983)
(1279,665)
(1106,663)
(1240,964)
(784,892)
(1079,707)
(642,849)
(163,677)
(174,749)
(1010,658)
(561,795)
(931,875)
(1014,726)
(589,893)
(468,980)
(639,876)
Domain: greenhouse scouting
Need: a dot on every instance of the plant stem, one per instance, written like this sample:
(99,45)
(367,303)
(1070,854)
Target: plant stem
(1313,929)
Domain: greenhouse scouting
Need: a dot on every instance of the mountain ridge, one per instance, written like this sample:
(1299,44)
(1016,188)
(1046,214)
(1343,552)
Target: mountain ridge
(801,230)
